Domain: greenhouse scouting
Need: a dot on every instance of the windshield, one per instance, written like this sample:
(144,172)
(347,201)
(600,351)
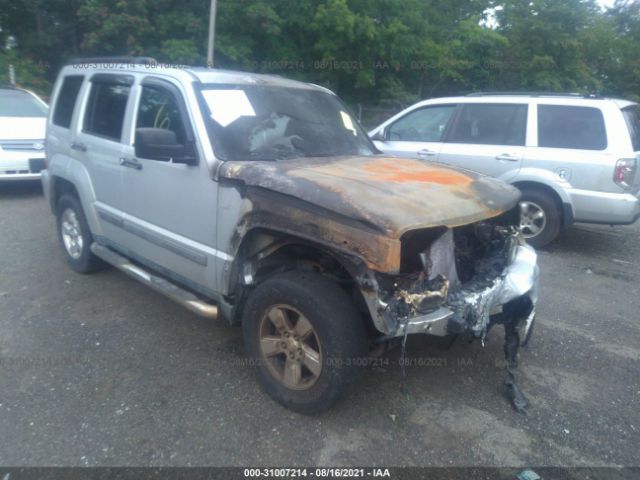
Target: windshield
(257,122)
(16,103)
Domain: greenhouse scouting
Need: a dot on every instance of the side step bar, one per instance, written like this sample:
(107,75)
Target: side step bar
(159,284)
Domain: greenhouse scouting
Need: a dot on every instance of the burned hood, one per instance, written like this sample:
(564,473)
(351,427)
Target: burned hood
(392,194)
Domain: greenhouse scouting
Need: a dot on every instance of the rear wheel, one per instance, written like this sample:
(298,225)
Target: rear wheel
(305,338)
(540,217)
(75,236)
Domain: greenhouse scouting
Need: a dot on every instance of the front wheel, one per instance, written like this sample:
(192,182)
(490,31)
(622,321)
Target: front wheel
(305,338)
(540,217)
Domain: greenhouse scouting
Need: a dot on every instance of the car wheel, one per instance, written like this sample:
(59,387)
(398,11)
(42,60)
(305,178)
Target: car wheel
(305,338)
(75,236)
(540,217)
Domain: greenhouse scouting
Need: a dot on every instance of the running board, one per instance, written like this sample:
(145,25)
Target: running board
(159,284)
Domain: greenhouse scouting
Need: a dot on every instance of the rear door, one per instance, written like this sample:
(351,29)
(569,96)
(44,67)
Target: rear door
(488,138)
(419,133)
(98,145)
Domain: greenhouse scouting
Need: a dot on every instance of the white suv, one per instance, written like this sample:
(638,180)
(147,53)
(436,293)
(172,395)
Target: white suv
(23,118)
(573,157)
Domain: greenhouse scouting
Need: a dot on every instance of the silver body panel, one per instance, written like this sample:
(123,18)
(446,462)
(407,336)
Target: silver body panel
(582,179)
(176,219)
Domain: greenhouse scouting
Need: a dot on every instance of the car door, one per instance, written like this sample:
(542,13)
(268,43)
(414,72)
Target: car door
(170,207)
(98,145)
(419,133)
(488,138)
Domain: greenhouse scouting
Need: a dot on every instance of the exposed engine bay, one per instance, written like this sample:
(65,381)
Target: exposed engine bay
(466,280)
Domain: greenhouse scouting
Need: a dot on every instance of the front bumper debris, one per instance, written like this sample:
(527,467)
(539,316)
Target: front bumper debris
(475,308)
(503,290)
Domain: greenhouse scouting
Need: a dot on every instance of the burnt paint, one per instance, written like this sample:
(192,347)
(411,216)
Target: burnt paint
(273,211)
(392,195)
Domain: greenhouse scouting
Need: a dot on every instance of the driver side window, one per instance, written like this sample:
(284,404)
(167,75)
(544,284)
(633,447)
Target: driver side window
(423,125)
(158,109)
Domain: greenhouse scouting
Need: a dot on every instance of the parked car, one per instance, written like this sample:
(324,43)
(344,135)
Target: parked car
(573,157)
(261,200)
(23,118)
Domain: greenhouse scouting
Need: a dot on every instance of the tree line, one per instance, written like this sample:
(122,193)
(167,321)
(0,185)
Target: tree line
(386,53)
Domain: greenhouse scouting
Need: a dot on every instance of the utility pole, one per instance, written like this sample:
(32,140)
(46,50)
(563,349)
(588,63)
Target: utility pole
(12,75)
(212,33)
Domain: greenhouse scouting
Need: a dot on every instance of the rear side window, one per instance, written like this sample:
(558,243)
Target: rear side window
(632,117)
(66,101)
(563,126)
(105,109)
(490,124)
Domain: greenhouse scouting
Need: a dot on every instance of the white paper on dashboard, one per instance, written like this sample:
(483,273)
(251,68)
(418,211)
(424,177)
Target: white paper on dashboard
(226,106)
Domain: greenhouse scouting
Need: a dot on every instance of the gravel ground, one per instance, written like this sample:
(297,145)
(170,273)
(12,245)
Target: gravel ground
(99,370)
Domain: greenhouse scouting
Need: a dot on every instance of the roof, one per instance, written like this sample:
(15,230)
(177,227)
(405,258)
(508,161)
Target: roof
(522,99)
(8,89)
(535,94)
(202,74)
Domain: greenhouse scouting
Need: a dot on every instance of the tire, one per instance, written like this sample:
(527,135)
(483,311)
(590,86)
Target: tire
(339,336)
(539,231)
(78,255)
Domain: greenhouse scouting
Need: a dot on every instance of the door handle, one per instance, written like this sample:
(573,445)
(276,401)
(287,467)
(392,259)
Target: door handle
(130,163)
(81,147)
(425,152)
(507,157)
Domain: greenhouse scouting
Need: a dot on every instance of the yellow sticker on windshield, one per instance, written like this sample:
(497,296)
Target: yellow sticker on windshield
(348,123)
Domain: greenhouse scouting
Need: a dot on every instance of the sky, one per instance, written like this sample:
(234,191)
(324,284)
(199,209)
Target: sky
(606,3)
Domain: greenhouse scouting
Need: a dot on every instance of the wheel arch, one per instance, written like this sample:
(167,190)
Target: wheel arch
(265,252)
(559,197)
(74,181)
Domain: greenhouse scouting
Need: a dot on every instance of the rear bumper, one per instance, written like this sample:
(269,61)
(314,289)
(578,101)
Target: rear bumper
(474,309)
(602,207)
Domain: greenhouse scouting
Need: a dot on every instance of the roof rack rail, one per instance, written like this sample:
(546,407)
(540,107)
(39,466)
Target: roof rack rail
(535,94)
(106,60)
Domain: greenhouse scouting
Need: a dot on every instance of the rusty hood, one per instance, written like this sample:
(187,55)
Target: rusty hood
(391,194)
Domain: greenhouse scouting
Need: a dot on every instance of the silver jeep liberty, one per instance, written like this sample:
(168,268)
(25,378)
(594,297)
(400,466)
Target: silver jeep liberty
(261,200)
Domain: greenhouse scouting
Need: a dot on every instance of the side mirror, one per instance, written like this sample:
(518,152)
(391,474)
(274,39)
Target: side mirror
(381,135)
(162,144)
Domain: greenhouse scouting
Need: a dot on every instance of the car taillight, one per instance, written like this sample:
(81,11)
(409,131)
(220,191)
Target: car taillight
(625,172)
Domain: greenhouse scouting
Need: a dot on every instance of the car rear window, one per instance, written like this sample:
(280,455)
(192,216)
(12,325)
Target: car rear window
(66,101)
(17,103)
(490,124)
(564,126)
(105,109)
(632,117)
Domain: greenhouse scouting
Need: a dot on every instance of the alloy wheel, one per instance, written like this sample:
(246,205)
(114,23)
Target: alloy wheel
(290,347)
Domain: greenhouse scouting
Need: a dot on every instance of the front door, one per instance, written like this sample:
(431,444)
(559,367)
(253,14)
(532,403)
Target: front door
(418,133)
(170,208)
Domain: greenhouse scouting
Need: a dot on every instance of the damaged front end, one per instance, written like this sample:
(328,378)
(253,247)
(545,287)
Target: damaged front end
(463,281)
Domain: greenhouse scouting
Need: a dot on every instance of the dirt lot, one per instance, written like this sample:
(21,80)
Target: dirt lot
(99,370)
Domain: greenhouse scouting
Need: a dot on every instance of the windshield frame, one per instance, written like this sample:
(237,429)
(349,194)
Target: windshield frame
(209,122)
